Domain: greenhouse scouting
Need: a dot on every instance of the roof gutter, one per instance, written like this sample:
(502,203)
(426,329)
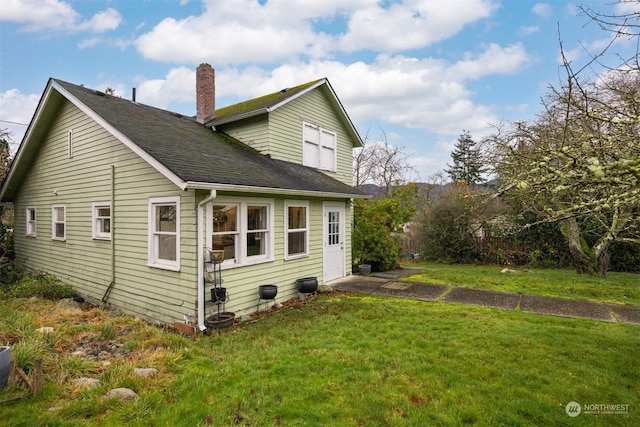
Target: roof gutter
(201,214)
(271,190)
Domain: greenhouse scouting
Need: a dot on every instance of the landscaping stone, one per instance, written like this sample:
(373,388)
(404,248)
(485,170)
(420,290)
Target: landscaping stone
(121,393)
(145,372)
(68,304)
(324,288)
(85,382)
(45,330)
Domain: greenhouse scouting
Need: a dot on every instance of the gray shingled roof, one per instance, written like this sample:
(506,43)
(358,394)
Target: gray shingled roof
(195,153)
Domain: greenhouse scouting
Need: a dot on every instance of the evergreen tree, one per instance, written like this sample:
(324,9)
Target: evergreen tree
(468,163)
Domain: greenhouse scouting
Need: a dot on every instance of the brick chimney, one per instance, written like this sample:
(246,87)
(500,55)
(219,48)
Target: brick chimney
(205,93)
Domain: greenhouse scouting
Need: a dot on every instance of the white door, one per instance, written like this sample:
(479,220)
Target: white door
(333,240)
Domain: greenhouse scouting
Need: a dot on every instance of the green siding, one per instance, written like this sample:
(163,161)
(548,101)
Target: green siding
(279,133)
(242,282)
(83,262)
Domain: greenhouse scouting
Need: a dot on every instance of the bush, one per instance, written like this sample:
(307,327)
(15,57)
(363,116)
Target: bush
(372,240)
(444,228)
(39,285)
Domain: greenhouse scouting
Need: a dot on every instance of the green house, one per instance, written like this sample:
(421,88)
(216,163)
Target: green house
(126,202)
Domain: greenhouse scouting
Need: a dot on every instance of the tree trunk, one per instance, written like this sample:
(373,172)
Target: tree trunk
(584,263)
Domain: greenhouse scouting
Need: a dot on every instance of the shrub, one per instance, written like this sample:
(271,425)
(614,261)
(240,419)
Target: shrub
(372,240)
(39,285)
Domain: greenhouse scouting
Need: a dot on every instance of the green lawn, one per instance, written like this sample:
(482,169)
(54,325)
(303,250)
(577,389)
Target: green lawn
(619,288)
(342,360)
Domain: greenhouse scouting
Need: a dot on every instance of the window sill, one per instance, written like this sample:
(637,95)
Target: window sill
(294,257)
(246,263)
(164,266)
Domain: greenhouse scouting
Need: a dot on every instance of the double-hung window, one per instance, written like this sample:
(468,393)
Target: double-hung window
(59,222)
(318,147)
(101,220)
(31,222)
(164,232)
(242,229)
(296,223)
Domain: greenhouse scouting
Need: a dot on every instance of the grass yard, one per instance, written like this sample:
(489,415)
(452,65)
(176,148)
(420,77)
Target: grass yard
(335,360)
(619,288)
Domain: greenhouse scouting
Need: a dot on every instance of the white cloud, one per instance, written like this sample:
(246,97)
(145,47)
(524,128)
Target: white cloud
(543,10)
(36,15)
(246,31)
(16,111)
(410,24)
(529,29)
(178,86)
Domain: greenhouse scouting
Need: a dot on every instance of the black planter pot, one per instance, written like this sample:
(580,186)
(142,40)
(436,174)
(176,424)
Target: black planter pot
(267,291)
(307,285)
(218,294)
(220,320)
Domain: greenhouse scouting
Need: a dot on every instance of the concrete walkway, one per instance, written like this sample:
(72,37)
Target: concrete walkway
(386,284)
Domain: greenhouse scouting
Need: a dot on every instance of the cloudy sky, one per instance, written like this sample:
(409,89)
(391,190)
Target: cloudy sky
(418,71)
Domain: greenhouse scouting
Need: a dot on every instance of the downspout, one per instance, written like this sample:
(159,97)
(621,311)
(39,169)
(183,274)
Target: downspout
(112,226)
(113,236)
(201,214)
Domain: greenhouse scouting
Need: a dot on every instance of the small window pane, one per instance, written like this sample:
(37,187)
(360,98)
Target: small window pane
(225,218)
(59,214)
(257,217)
(256,243)
(297,217)
(167,247)
(59,229)
(297,242)
(166,219)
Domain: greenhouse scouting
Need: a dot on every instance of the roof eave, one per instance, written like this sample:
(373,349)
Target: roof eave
(270,190)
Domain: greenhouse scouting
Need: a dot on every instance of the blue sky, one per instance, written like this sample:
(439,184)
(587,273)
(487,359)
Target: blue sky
(418,71)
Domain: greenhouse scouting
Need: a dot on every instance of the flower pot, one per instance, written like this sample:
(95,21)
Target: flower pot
(220,320)
(5,365)
(218,294)
(364,268)
(267,291)
(307,285)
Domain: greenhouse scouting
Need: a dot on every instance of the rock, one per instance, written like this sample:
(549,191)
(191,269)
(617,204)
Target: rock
(145,372)
(78,353)
(324,288)
(45,330)
(508,270)
(68,304)
(85,382)
(121,393)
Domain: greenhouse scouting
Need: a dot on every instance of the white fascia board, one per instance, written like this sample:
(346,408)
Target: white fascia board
(122,138)
(270,190)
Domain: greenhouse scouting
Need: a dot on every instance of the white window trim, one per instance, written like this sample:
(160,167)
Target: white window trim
(241,258)
(287,205)
(153,260)
(320,129)
(70,144)
(54,222)
(33,233)
(97,234)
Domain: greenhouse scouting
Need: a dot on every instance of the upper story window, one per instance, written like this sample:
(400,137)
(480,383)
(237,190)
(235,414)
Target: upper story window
(296,223)
(243,229)
(164,232)
(59,222)
(319,147)
(31,221)
(101,219)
